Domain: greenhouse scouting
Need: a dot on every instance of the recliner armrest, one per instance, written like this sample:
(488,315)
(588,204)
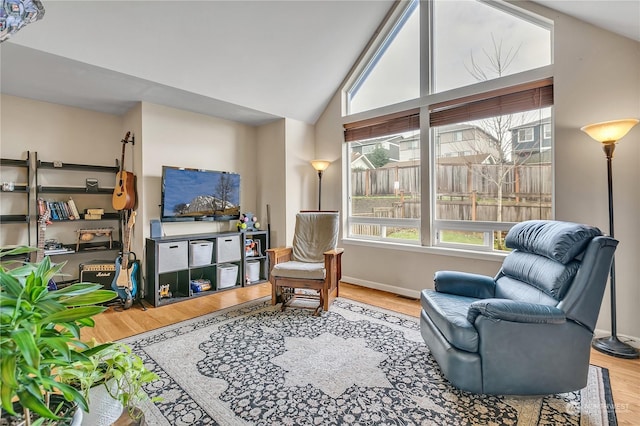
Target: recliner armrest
(514,311)
(464,284)
(279,255)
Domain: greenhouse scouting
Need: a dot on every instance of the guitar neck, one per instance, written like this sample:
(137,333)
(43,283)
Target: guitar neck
(40,253)
(122,157)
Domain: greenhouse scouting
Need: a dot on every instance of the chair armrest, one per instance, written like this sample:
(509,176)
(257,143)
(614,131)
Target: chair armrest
(279,255)
(464,284)
(334,252)
(514,311)
(333,260)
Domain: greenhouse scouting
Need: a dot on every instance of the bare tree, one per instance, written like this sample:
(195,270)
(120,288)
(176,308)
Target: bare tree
(223,190)
(497,63)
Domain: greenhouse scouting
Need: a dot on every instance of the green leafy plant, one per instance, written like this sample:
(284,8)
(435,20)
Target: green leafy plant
(119,370)
(40,335)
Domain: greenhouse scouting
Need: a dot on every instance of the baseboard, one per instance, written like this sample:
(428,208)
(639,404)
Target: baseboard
(383,287)
(630,340)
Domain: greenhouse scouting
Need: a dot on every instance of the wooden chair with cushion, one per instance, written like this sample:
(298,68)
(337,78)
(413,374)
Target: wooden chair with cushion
(311,268)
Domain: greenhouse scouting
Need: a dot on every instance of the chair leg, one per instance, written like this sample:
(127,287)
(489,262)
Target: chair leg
(274,293)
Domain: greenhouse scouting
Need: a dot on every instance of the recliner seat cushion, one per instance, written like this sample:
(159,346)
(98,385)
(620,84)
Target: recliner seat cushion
(549,276)
(303,270)
(449,313)
(560,241)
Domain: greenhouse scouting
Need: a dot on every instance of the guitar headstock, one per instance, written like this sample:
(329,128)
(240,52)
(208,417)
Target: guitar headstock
(45,218)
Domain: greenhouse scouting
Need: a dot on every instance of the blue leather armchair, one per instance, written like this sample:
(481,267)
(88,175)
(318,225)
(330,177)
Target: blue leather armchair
(528,330)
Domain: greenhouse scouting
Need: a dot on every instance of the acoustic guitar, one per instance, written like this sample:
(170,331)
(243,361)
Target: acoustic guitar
(125,279)
(124,194)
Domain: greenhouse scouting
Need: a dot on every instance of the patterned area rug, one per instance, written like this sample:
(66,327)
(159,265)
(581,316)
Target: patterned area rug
(356,364)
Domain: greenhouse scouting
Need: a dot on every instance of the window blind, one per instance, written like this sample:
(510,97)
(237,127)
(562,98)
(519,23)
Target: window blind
(504,101)
(382,126)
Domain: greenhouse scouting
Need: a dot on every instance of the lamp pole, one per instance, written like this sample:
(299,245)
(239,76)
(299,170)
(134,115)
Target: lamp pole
(608,134)
(319,190)
(320,166)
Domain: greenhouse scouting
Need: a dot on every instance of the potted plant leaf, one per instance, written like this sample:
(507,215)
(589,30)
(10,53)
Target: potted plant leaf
(40,335)
(111,380)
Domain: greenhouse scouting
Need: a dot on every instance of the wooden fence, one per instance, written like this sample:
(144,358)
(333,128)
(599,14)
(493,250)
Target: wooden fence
(464,192)
(521,180)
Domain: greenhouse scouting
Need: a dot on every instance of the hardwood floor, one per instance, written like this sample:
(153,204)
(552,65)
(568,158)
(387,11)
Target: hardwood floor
(114,325)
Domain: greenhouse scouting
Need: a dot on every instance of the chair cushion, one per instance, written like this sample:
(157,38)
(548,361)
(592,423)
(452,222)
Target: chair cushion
(315,233)
(449,313)
(545,274)
(560,241)
(304,270)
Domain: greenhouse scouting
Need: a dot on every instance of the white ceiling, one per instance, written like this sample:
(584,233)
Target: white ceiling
(247,61)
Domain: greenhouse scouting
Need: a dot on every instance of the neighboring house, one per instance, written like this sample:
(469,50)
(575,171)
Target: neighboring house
(532,142)
(410,148)
(360,162)
(391,144)
(465,140)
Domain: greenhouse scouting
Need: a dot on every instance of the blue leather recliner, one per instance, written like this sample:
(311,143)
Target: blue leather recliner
(528,330)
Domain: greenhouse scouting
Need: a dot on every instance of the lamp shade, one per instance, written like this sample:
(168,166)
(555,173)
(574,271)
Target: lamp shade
(609,131)
(320,165)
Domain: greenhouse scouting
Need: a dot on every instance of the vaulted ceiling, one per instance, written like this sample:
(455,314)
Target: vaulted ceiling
(247,61)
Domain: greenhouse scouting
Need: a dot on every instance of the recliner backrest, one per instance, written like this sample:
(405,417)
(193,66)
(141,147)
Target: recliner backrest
(315,233)
(557,263)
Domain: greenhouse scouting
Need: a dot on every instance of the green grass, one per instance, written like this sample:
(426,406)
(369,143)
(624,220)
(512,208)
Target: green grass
(404,234)
(462,237)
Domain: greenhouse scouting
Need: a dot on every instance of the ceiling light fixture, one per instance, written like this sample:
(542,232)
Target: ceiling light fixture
(15,14)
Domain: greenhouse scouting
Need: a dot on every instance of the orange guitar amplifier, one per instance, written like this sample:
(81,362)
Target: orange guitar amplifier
(98,272)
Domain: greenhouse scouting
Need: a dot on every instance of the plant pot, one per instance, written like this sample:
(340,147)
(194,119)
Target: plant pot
(103,409)
(73,419)
(126,419)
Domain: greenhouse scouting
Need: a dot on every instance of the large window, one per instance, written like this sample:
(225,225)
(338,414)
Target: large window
(485,147)
(480,41)
(393,73)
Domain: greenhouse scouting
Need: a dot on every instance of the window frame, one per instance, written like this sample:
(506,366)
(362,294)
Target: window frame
(430,228)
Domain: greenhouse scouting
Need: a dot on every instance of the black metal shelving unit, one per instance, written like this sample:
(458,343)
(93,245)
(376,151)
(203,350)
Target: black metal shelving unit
(20,190)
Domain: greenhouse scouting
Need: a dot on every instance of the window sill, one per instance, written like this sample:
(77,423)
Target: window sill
(439,251)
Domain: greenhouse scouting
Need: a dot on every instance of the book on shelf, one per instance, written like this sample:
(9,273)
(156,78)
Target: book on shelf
(63,250)
(58,210)
(90,216)
(94,211)
(74,208)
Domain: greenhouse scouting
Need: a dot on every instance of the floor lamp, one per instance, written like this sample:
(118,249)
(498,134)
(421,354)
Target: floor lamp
(608,133)
(320,166)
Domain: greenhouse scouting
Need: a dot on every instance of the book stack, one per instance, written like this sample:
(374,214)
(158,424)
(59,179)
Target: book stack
(93,214)
(59,210)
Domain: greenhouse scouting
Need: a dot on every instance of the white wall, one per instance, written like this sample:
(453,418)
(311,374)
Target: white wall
(59,133)
(173,137)
(301,178)
(596,79)
(271,186)
(163,136)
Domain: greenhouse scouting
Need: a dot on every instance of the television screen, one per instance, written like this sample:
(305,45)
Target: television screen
(196,194)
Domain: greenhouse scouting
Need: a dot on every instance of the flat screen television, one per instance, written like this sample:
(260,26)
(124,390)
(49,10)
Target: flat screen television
(197,194)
